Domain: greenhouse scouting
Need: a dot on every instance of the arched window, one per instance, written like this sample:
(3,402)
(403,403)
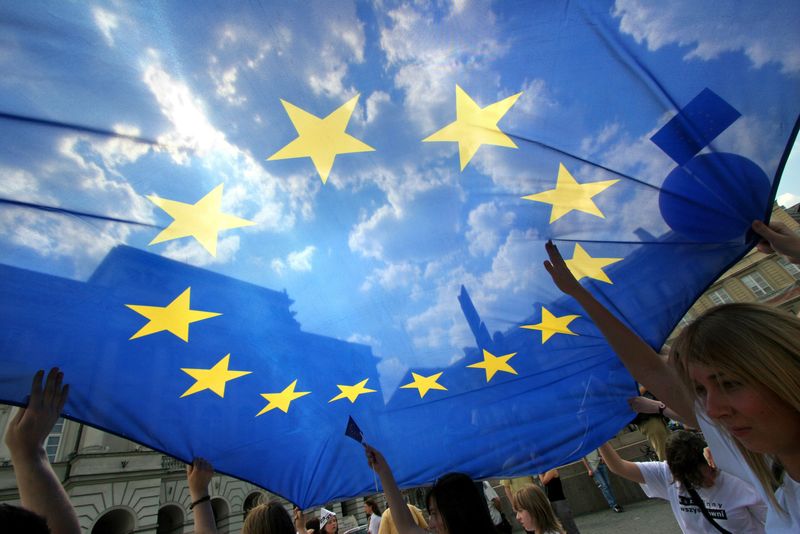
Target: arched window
(117,521)
(252,500)
(221,515)
(170,520)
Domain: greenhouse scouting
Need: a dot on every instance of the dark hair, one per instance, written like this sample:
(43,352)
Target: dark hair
(18,519)
(685,457)
(373,506)
(462,507)
(313,524)
(270,518)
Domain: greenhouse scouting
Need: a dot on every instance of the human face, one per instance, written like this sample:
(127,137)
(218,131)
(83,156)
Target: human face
(332,526)
(760,420)
(525,519)
(436,523)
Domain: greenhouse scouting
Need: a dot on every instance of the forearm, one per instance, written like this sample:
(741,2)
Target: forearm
(639,358)
(618,466)
(400,512)
(204,522)
(41,492)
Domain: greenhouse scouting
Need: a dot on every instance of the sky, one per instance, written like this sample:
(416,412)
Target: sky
(213,92)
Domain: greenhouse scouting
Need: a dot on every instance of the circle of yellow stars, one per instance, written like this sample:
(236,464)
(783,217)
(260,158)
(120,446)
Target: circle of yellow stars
(321,140)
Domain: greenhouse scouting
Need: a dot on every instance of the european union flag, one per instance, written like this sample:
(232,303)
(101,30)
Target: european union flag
(235,226)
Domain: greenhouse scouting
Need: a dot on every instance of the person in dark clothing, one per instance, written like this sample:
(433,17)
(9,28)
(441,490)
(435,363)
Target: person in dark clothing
(551,481)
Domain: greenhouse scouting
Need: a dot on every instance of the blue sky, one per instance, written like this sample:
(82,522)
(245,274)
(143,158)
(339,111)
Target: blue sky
(378,253)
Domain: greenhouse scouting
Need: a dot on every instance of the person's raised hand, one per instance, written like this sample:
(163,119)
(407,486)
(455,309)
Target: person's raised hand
(26,433)
(777,237)
(376,460)
(198,475)
(557,267)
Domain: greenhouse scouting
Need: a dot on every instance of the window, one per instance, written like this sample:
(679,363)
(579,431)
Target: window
(686,320)
(53,439)
(757,284)
(790,267)
(720,296)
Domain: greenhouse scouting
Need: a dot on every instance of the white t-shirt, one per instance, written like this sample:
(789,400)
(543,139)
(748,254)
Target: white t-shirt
(374,524)
(729,459)
(733,503)
(490,494)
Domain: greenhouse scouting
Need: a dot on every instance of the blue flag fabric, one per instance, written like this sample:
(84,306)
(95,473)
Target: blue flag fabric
(235,225)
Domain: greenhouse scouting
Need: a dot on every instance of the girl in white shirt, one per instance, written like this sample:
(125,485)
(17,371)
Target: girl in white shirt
(731,502)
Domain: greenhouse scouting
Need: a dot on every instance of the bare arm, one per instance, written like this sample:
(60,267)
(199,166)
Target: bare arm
(641,361)
(299,520)
(586,465)
(545,478)
(199,474)
(645,405)
(400,513)
(40,490)
(620,467)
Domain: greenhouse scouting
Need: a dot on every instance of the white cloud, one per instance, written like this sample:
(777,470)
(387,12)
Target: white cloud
(374,102)
(426,69)
(393,276)
(249,187)
(486,222)
(106,22)
(298,261)
(188,250)
(364,339)
(534,102)
(713,28)
(787,200)
(52,235)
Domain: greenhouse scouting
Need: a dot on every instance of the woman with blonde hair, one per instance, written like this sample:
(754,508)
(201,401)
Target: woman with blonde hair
(534,511)
(734,372)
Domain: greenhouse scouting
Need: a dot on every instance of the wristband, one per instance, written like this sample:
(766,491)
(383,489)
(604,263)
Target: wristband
(200,500)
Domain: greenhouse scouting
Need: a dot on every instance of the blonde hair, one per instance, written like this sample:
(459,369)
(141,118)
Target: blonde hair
(756,344)
(533,500)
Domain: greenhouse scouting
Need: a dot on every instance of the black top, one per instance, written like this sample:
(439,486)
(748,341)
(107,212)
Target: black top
(554,490)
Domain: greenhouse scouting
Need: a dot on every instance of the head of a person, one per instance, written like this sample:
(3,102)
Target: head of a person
(533,510)
(313,525)
(18,519)
(686,460)
(456,505)
(269,518)
(328,522)
(742,361)
(371,507)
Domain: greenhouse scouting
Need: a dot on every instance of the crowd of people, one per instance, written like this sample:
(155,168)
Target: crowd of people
(733,373)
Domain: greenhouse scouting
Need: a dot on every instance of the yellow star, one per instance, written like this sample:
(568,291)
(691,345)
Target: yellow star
(491,364)
(174,317)
(321,139)
(213,379)
(283,399)
(475,126)
(582,265)
(202,220)
(552,325)
(569,195)
(424,383)
(352,392)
